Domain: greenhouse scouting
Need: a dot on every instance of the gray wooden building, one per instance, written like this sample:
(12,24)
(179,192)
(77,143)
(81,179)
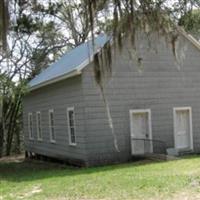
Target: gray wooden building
(154,106)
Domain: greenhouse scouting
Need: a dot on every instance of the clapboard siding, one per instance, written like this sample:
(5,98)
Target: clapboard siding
(160,84)
(57,96)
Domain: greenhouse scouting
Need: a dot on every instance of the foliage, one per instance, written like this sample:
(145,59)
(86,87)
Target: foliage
(11,110)
(138,180)
(191,22)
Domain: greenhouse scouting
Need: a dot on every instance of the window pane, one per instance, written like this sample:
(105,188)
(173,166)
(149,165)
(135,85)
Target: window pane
(71,124)
(72,135)
(72,131)
(51,120)
(73,141)
(71,118)
(39,125)
(52,133)
(30,124)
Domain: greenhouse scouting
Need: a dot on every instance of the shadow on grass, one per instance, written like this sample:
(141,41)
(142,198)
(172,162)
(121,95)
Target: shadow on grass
(30,170)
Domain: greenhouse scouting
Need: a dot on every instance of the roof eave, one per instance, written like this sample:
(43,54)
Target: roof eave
(189,37)
(70,74)
(73,73)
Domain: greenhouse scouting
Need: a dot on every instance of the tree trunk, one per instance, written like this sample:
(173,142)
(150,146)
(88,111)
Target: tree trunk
(1,139)
(17,140)
(12,125)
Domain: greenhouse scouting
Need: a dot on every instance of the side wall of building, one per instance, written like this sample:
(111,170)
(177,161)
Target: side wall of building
(160,83)
(59,97)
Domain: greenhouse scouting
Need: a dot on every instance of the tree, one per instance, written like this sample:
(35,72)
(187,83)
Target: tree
(4,22)
(21,60)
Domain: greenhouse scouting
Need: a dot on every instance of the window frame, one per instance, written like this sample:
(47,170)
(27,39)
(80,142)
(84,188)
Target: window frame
(30,129)
(37,124)
(69,128)
(50,126)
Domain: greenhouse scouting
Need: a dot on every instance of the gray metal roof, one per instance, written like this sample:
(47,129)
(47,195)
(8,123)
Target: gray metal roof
(69,62)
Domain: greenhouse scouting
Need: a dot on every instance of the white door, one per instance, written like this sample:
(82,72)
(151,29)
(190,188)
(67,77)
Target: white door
(183,129)
(140,132)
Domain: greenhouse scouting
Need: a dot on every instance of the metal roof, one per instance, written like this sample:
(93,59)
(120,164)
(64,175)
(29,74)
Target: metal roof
(72,61)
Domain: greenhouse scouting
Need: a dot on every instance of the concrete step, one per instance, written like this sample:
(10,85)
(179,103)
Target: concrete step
(177,152)
(162,157)
(153,156)
(186,152)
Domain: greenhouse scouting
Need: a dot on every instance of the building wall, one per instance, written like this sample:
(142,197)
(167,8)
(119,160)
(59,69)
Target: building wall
(57,96)
(160,83)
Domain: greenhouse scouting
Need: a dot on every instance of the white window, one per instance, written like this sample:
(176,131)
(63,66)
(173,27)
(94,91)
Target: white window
(51,126)
(71,126)
(30,125)
(39,126)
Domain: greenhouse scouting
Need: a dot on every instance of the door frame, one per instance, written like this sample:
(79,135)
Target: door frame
(175,109)
(138,111)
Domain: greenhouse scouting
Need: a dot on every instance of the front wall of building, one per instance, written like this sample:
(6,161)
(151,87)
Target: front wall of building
(160,83)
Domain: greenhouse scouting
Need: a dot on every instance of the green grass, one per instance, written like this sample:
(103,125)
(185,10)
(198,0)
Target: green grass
(136,180)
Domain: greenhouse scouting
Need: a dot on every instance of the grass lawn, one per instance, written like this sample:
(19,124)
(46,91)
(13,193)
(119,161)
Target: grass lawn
(179,179)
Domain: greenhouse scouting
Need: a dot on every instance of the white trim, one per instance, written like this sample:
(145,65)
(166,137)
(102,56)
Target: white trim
(84,63)
(69,131)
(37,125)
(54,80)
(75,72)
(189,37)
(175,109)
(136,111)
(50,127)
(30,129)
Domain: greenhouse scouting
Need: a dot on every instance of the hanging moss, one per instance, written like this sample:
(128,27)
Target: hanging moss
(173,44)
(97,71)
(107,57)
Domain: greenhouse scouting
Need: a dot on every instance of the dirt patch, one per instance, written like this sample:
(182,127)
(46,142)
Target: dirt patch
(15,158)
(34,190)
(186,195)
